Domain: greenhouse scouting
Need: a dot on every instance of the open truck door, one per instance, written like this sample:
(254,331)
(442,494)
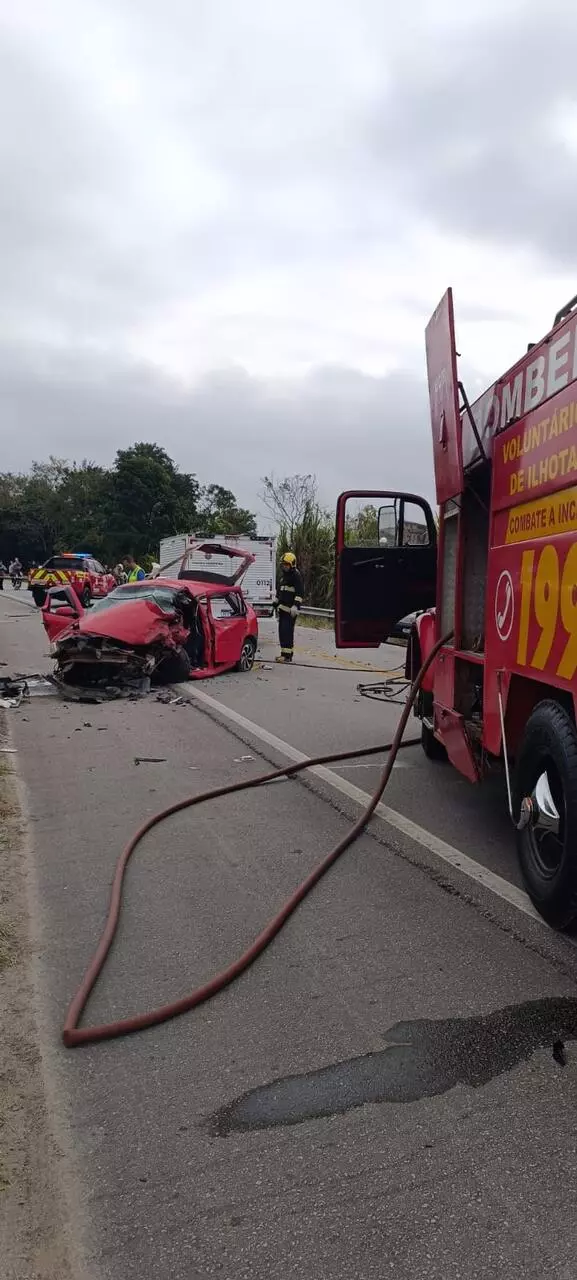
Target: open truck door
(386,564)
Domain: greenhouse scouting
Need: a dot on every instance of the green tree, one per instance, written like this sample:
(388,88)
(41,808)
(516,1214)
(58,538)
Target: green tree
(84,496)
(219,513)
(149,499)
(69,506)
(362,529)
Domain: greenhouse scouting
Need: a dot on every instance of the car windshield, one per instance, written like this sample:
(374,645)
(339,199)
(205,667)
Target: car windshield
(164,597)
(66,562)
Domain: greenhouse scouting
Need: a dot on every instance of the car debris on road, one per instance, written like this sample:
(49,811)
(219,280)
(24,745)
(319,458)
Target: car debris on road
(12,692)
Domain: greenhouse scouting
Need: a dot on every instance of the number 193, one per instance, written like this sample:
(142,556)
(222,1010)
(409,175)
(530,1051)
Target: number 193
(546,593)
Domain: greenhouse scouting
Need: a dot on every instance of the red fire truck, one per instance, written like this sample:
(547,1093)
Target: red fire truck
(502,586)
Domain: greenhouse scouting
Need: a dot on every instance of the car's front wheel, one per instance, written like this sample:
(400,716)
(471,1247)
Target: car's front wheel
(173,667)
(246,660)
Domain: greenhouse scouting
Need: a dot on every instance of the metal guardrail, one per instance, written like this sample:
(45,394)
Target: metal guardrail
(307,611)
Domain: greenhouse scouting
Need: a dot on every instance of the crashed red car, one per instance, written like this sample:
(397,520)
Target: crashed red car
(193,625)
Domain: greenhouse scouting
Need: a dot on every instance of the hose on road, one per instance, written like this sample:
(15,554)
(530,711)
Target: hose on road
(73,1035)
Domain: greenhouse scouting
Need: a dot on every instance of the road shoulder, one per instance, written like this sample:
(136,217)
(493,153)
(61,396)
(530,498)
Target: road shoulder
(34,1237)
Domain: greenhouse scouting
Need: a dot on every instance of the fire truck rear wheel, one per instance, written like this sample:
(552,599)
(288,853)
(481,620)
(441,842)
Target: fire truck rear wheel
(545,803)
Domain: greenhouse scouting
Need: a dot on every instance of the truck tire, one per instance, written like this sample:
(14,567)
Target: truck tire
(433,749)
(38,596)
(174,667)
(246,660)
(548,854)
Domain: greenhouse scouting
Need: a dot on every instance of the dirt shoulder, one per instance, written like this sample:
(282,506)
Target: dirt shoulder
(34,1241)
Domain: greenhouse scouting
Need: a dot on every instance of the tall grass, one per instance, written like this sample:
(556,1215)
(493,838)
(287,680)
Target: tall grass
(313,541)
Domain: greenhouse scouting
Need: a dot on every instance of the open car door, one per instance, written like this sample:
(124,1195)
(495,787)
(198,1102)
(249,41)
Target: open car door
(60,610)
(386,564)
(228,616)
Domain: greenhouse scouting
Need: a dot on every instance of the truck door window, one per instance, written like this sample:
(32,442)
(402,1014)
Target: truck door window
(413,530)
(388,525)
(385,563)
(403,524)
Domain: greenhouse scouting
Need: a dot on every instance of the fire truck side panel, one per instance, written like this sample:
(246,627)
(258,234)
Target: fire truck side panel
(531,614)
(444,400)
(546,369)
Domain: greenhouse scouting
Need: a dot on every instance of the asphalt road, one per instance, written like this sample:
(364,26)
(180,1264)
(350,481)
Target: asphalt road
(272,1134)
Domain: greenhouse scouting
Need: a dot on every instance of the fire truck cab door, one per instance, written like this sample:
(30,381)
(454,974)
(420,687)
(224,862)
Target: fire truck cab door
(386,564)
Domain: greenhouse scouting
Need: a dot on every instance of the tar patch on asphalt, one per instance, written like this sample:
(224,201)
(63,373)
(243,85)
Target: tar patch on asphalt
(421,1059)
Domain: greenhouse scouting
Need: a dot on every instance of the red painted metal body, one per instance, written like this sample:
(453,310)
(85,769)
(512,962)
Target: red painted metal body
(444,400)
(530,627)
(83,573)
(506,586)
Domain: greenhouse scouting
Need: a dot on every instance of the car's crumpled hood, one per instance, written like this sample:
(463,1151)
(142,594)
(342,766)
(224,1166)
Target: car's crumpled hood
(137,622)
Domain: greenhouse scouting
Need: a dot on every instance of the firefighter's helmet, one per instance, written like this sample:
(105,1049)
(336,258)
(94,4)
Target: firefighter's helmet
(289,559)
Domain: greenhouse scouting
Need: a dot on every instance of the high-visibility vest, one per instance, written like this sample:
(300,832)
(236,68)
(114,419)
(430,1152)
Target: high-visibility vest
(133,575)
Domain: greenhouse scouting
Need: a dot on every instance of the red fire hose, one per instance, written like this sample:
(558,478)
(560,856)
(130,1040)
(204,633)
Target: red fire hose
(74,1035)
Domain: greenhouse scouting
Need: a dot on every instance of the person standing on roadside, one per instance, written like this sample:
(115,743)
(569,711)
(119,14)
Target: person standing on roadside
(134,571)
(288,601)
(3,572)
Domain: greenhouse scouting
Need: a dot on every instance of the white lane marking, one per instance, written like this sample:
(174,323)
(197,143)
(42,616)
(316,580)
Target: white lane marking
(446,852)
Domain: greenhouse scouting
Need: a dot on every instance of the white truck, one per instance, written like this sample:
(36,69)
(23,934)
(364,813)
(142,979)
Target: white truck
(259,582)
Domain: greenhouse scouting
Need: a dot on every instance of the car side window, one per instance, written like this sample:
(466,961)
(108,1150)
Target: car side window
(237,603)
(96,567)
(230,605)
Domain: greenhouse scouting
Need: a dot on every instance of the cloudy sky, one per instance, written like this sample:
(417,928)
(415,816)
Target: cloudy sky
(225,223)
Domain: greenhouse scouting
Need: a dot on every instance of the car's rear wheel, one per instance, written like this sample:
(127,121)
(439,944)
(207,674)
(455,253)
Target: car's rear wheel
(545,809)
(174,667)
(246,660)
(38,596)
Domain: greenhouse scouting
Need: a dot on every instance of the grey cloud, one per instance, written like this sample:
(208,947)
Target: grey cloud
(467,126)
(350,429)
(92,242)
(258,139)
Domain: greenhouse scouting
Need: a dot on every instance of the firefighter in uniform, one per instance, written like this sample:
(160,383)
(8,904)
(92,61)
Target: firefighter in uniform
(289,598)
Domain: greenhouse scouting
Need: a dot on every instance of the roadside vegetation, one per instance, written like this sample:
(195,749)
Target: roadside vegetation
(144,497)
(306,528)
